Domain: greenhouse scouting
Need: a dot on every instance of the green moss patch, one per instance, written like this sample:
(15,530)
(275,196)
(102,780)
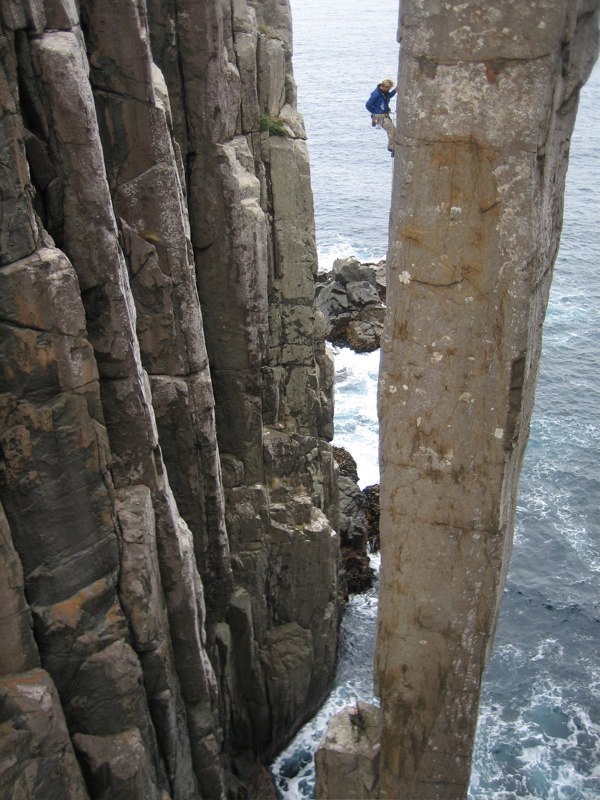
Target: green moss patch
(273,125)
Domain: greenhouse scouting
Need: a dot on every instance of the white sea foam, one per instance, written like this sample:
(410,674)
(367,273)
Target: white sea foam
(294,771)
(356,425)
(546,647)
(548,750)
(339,247)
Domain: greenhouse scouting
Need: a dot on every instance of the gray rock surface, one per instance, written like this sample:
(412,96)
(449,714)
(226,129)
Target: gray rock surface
(19,652)
(347,759)
(353,526)
(165,400)
(488,103)
(36,754)
(352,300)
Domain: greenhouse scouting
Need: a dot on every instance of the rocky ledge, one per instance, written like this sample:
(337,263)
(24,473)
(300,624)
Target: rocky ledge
(358,525)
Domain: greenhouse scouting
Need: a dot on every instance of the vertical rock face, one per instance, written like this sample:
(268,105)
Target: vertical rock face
(168,547)
(489,97)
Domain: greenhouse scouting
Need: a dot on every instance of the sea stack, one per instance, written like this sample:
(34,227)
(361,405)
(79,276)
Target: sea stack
(168,494)
(488,97)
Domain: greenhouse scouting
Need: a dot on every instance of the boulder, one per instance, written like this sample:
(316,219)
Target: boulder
(347,759)
(352,300)
(363,332)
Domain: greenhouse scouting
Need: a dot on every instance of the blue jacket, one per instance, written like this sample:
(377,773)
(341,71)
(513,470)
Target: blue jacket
(379,102)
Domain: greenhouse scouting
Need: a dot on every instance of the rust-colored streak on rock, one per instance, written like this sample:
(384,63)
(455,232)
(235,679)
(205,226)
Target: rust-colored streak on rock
(460,354)
(167,495)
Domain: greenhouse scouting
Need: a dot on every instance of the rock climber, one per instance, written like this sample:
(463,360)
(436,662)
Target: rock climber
(379,107)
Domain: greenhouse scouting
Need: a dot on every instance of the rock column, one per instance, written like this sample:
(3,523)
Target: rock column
(169,557)
(82,480)
(228,70)
(488,96)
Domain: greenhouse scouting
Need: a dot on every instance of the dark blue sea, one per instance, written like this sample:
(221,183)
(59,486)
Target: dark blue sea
(539,725)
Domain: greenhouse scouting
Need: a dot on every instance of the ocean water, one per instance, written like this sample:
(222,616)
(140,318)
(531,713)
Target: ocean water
(293,771)
(342,50)
(539,726)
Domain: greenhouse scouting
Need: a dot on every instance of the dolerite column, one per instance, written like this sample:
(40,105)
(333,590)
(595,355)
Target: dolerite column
(488,95)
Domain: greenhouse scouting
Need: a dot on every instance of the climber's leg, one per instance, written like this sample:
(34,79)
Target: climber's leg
(388,126)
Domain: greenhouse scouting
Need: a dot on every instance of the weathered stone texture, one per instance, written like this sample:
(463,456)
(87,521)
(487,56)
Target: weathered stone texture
(18,230)
(252,231)
(285,563)
(144,172)
(347,760)
(115,766)
(142,600)
(488,103)
(19,652)
(36,754)
(62,518)
(166,495)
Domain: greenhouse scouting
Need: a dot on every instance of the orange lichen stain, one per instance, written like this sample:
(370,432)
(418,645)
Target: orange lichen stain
(114,614)
(31,351)
(106,517)
(400,329)
(471,269)
(442,157)
(69,611)
(32,678)
(413,234)
(31,313)
(150,236)
(490,72)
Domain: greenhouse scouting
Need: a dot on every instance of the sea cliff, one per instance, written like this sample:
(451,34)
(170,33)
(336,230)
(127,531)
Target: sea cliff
(169,545)
(169,509)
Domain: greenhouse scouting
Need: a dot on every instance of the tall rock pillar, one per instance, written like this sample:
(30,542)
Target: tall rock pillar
(488,96)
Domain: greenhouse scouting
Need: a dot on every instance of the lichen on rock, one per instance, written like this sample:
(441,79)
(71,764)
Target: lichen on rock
(166,398)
